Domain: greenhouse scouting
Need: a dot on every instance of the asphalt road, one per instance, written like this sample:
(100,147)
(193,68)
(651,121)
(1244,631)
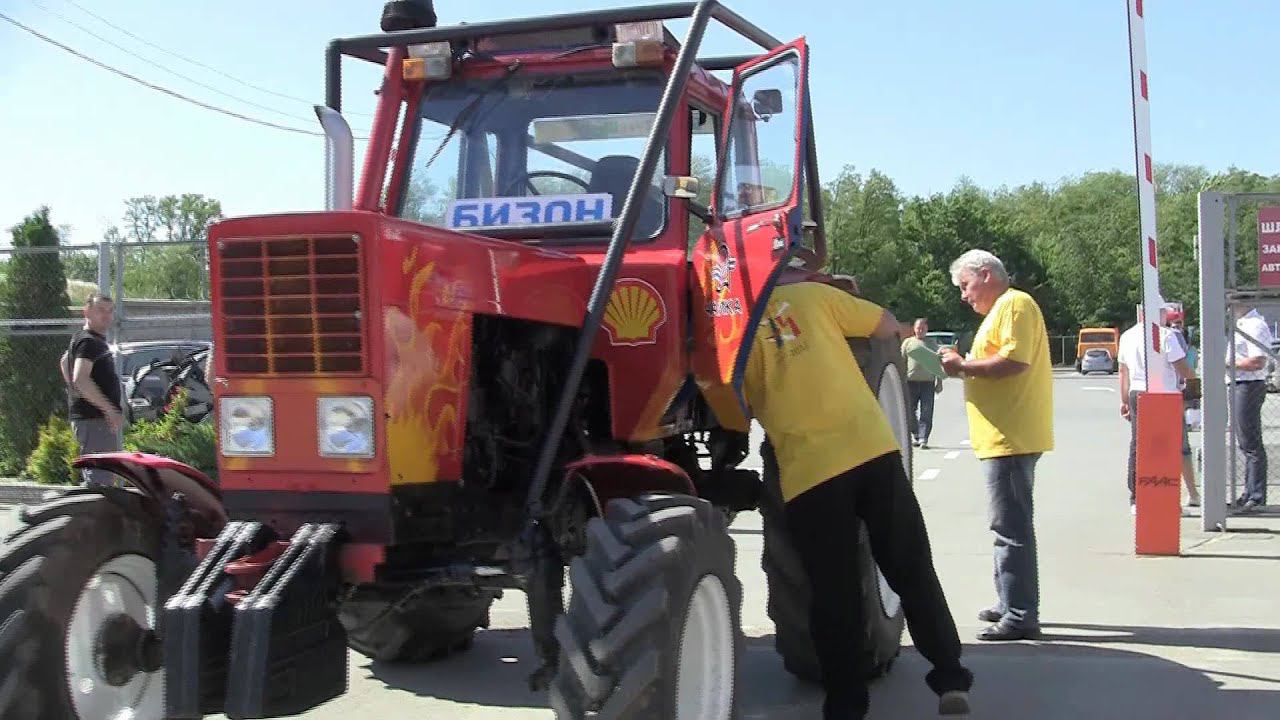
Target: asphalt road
(1126,637)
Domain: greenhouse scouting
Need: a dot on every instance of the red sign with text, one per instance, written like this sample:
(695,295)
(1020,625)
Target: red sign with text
(1269,246)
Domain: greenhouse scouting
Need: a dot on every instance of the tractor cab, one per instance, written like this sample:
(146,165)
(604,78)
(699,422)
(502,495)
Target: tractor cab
(541,138)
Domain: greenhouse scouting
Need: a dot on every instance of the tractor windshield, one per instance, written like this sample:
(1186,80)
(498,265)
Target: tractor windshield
(524,153)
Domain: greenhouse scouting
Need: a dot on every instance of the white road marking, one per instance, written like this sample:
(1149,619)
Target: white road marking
(930,474)
(1099,389)
(965,442)
(951,455)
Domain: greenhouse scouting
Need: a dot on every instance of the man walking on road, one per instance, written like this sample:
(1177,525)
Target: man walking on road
(839,461)
(1009,397)
(921,386)
(1170,367)
(1247,396)
(93,387)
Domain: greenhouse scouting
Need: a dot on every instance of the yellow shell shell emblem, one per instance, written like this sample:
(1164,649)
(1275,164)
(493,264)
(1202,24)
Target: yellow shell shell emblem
(634,313)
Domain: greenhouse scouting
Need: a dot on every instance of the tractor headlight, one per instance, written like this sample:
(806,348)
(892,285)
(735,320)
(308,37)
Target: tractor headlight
(247,425)
(345,426)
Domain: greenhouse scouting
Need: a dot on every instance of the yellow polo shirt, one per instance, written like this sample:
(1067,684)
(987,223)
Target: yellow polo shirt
(1012,415)
(804,385)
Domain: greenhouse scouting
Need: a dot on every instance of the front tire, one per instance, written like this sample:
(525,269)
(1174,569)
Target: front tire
(789,593)
(653,628)
(78,602)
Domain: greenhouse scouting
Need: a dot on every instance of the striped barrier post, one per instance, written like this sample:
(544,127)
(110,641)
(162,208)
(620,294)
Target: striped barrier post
(1157,528)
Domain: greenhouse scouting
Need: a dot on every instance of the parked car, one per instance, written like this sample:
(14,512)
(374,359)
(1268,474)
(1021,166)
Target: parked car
(155,385)
(940,339)
(134,356)
(1097,360)
(1273,370)
(1096,338)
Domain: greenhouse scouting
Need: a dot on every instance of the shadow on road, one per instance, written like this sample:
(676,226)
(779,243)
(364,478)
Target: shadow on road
(1229,556)
(1265,640)
(1041,681)
(493,672)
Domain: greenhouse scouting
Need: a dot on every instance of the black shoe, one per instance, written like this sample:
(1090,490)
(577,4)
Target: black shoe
(953,702)
(990,615)
(1005,632)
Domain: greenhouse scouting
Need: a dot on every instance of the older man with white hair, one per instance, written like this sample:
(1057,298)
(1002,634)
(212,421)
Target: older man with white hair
(1009,396)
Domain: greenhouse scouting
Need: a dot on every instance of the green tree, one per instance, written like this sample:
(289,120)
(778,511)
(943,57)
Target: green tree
(30,381)
(177,272)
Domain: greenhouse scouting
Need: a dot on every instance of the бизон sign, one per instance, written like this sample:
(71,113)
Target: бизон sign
(1269,246)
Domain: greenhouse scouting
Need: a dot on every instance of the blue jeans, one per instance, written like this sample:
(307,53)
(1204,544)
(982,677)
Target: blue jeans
(921,408)
(1247,398)
(1010,483)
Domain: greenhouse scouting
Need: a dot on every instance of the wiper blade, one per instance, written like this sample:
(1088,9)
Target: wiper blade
(471,107)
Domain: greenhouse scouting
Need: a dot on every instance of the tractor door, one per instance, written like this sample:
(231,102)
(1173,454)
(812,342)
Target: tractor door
(756,223)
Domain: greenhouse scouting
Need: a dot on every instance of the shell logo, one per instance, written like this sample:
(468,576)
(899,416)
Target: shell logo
(634,313)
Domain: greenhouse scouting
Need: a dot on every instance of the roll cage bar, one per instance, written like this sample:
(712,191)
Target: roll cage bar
(370,48)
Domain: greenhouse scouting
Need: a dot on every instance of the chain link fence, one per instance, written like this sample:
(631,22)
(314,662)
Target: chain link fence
(1062,350)
(1249,292)
(1243,435)
(162,305)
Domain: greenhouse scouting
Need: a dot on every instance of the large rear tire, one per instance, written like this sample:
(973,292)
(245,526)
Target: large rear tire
(78,599)
(653,626)
(400,626)
(789,593)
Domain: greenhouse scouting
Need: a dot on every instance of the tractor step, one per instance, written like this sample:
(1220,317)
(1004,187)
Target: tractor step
(288,648)
(197,625)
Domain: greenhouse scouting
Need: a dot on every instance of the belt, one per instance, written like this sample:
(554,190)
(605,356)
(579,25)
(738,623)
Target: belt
(1246,382)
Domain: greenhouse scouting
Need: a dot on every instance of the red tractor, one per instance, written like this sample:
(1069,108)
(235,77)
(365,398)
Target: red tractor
(515,347)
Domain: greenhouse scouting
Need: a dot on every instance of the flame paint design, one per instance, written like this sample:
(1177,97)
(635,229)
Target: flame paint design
(428,353)
(634,313)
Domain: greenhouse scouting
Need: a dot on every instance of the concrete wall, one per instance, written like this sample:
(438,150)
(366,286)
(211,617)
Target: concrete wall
(143,320)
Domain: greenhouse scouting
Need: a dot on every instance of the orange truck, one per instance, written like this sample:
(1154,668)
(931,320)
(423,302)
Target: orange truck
(1097,337)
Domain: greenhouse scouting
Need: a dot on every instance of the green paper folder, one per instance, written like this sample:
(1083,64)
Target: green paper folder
(928,359)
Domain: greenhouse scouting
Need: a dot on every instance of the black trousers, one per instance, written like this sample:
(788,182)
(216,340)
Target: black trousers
(820,521)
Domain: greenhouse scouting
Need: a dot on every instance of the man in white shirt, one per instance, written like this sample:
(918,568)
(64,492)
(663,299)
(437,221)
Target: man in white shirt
(1171,367)
(1247,396)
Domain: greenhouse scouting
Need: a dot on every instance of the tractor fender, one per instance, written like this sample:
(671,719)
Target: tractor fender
(611,477)
(159,478)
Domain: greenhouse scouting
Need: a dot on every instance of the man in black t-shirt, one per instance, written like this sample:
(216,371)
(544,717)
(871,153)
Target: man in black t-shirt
(93,387)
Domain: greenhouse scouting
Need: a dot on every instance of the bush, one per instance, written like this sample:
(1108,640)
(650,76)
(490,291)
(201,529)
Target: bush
(170,436)
(173,436)
(50,462)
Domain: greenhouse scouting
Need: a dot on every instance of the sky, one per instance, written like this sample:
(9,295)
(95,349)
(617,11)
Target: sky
(1003,92)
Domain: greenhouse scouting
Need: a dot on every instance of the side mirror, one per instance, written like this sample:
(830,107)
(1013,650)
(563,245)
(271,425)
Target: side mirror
(767,103)
(686,187)
(681,186)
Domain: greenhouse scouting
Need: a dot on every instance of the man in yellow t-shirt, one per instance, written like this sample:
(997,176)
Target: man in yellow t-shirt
(1009,397)
(838,460)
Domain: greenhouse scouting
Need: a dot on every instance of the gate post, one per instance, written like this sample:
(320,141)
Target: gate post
(1213,350)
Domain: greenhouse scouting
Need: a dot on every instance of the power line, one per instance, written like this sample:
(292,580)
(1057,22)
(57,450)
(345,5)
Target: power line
(155,64)
(158,88)
(197,63)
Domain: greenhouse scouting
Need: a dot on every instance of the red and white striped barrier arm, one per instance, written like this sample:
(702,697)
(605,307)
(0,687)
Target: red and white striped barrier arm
(1145,166)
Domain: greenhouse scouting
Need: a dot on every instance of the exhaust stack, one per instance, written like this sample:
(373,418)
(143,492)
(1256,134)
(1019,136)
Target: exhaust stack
(339,159)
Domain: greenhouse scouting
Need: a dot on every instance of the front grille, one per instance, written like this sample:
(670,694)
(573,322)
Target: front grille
(291,305)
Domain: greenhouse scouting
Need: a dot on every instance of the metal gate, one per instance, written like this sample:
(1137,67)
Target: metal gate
(1238,439)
